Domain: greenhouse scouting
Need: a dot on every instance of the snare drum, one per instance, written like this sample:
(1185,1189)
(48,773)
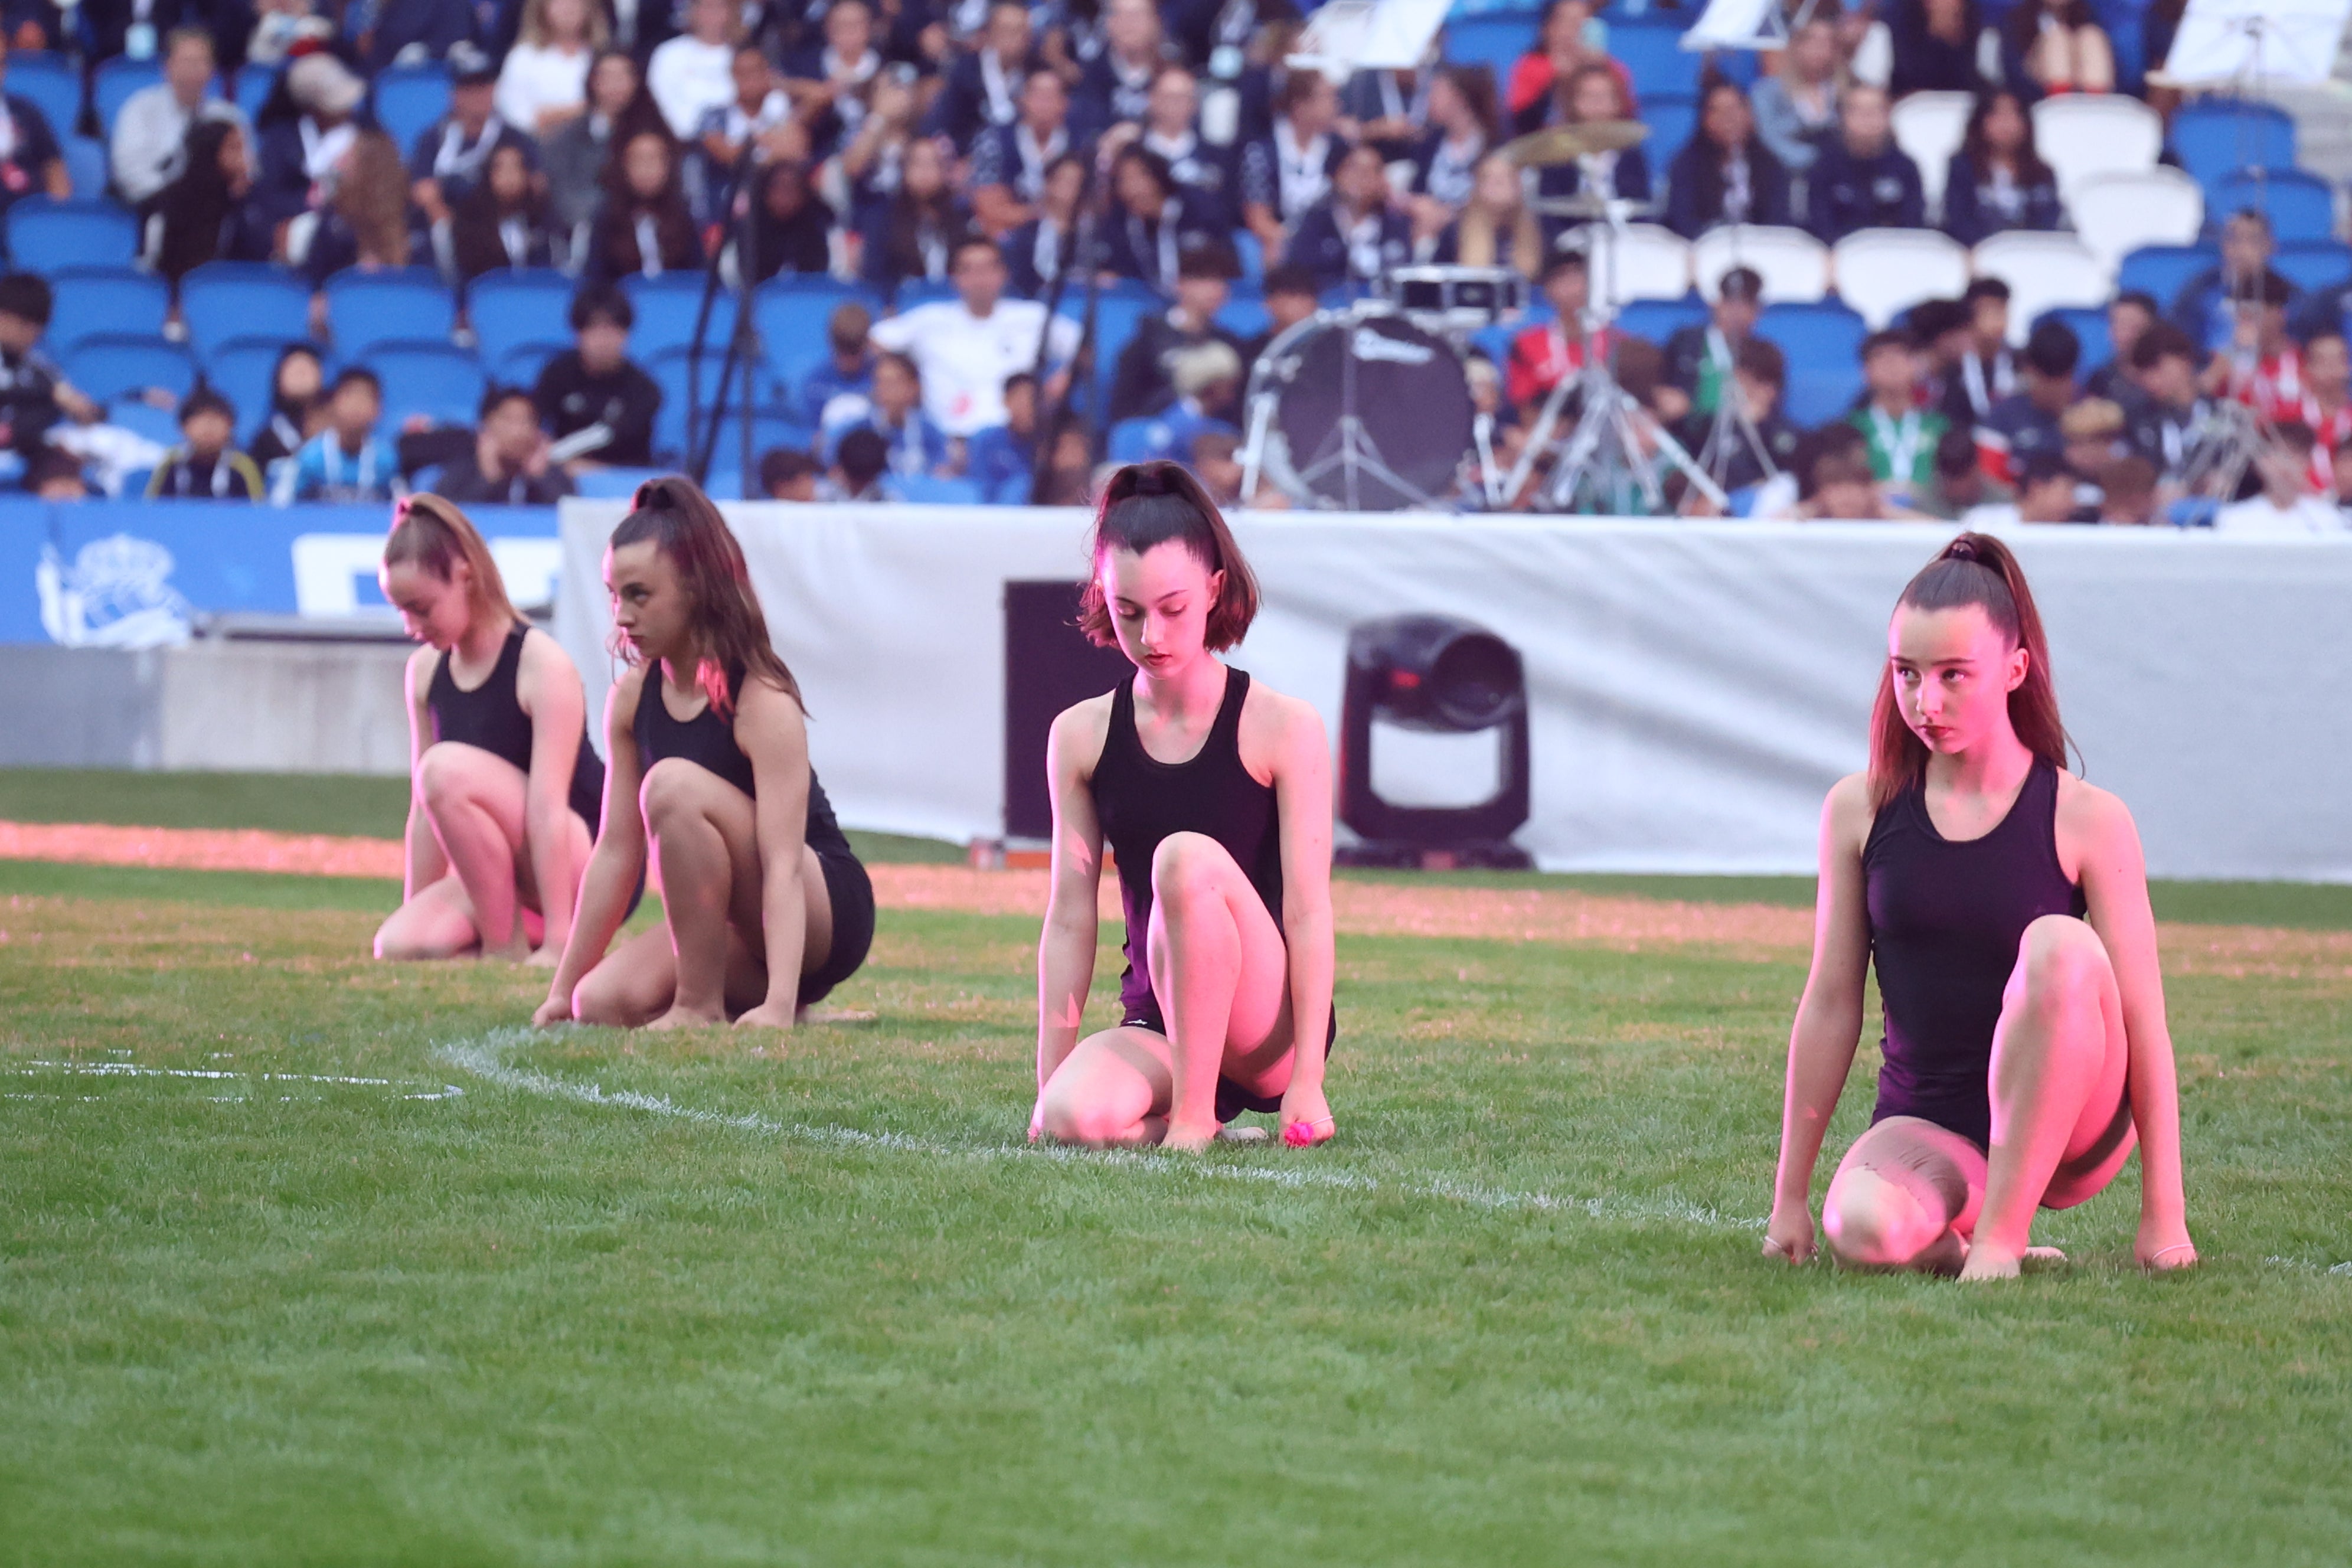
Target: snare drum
(1364,410)
(1456,299)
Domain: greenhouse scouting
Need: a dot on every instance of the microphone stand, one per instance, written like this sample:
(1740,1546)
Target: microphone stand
(1082,258)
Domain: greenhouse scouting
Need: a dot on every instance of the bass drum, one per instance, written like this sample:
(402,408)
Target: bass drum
(1412,441)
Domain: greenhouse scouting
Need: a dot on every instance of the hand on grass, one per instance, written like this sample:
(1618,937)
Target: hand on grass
(767,1015)
(1304,1107)
(556,1009)
(1789,1235)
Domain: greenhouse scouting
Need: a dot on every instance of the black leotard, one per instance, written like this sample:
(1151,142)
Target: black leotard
(490,716)
(709,741)
(1946,921)
(1141,800)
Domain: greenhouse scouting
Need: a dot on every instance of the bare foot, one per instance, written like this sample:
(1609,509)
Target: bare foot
(1188,1140)
(686,1018)
(545,958)
(1987,1263)
(516,949)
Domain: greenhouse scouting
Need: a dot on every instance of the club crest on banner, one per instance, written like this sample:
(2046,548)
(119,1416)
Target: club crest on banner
(116,592)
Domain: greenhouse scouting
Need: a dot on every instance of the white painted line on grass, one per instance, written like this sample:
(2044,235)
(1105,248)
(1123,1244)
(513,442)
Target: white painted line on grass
(132,1069)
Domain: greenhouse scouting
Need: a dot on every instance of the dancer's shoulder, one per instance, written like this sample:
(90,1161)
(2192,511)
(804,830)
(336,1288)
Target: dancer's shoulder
(1079,731)
(2091,817)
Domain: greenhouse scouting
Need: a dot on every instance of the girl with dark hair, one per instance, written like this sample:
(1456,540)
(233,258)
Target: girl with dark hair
(1152,224)
(502,224)
(297,385)
(1215,793)
(915,233)
(1461,129)
(206,213)
(1935,46)
(644,227)
(1725,174)
(1998,180)
(1593,94)
(792,225)
(1038,250)
(2056,46)
(766,909)
(2004,903)
(504,789)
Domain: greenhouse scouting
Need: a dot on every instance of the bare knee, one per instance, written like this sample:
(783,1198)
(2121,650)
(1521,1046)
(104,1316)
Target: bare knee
(1067,1116)
(601,998)
(1185,869)
(2062,968)
(1872,1223)
(443,776)
(674,790)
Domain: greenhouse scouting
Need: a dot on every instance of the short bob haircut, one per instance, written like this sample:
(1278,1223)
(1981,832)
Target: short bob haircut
(1150,503)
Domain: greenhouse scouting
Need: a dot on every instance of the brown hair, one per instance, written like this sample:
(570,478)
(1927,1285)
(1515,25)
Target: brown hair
(534,30)
(1150,503)
(1973,568)
(373,196)
(431,532)
(1478,242)
(674,515)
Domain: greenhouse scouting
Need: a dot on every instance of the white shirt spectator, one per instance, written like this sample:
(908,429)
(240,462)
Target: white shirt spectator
(2257,516)
(150,132)
(688,78)
(965,358)
(538,77)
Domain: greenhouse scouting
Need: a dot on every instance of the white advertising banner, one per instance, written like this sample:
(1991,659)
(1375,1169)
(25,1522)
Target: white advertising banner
(1695,688)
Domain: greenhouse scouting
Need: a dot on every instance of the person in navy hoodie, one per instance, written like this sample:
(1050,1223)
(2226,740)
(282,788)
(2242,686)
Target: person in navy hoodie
(1998,180)
(1863,180)
(1354,233)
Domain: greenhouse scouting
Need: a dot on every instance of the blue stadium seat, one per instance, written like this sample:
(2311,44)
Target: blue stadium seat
(668,370)
(1116,321)
(793,313)
(225,300)
(408,99)
(240,370)
(116,80)
(1658,319)
(1252,255)
(1244,315)
(1671,119)
(768,431)
(45,236)
(2090,324)
(2164,271)
(2216,136)
(53,85)
(160,426)
(94,301)
(1817,397)
(666,308)
(253,85)
(364,308)
(509,310)
(106,368)
(1655,57)
(442,384)
(1495,41)
(1824,345)
(1137,440)
(922,489)
(2314,267)
(86,166)
(1522,9)
(921,292)
(613,484)
(2302,206)
(521,364)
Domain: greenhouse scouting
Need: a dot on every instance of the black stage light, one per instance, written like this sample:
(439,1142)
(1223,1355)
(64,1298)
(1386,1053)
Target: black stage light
(1446,677)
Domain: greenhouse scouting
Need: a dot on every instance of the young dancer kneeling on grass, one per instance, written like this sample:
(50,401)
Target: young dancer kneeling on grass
(766,907)
(1215,793)
(2005,904)
(503,786)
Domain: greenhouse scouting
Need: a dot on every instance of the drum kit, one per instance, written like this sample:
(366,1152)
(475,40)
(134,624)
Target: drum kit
(1367,407)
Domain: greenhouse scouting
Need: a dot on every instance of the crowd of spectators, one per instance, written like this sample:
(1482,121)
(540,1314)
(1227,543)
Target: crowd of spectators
(935,156)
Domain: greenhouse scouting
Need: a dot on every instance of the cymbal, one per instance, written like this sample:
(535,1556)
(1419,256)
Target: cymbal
(1567,143)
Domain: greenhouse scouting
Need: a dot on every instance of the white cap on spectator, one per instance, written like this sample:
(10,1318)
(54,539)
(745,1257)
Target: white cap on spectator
(323,82)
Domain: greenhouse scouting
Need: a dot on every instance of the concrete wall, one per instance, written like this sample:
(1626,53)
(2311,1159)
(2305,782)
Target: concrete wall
(243,707)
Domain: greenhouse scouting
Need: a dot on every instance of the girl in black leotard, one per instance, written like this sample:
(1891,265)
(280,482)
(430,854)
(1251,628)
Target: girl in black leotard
(504,787)
(2004,904)
(1215,793)
(766,907)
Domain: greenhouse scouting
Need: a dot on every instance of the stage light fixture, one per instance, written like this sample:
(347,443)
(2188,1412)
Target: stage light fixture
(1441,676)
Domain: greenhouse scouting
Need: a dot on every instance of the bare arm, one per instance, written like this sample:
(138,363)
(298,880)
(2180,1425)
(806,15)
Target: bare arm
(1066,948)
(619,858)
(549,689)
(773,733)
(1302,795)
(1829,1017)
(425,863)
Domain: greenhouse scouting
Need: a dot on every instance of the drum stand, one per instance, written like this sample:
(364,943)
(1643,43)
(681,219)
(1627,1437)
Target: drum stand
(1349,448)
(1732,428)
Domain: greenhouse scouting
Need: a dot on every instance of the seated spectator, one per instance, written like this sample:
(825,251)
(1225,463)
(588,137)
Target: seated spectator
(787,473)
(2168,417)
(55,474)
(981,90)
(1149,227)
(1003,459)
(848,369)
(792,226)
(1069,463)
(1899,435)
(914,236)
(599,405)
(347,461)
(2289,503)
(759,112)
(1797,106)
(451,156)
(1960,483)
(1841,489)
(1863,180)
(1700,358)
(2128,495)
(298,156)
(1934,44)
(1496,227)
(2056,46)
(1040,248)
(30,161)
(205,465)
(297,408)
(149,148)
(578,154)
(1290,298)
(1567,37)
(1998,181)
(1446,157)
(2129,314)
(1542,356)
(280,27)
(415,30)
(1354,235)
(644,229)
(859,466)
(34,394)
(1009,161)
(1725,174)
(2326,405)
(965,347)
(839,84)
(1207,378)
(1290,170)
(2263,367)
(694,72)
(543,81)
(1759,376)
(365,221)
(510,464)
(1143,383)
(1215,461)
(503,223)
(205,213)
(2027,421)
(2091,433)
(2206,307)
(1203,173)
(916,447)
(1594,94)
(2046,492)
(1116,84)
(1985,371)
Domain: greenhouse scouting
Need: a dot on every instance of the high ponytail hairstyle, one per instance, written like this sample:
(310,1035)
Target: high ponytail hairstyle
(1150,503)
(431,532)
(1973,568)
(674,515)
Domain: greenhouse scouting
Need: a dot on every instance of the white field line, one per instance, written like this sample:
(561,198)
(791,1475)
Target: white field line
(131,1069)
(485,1059)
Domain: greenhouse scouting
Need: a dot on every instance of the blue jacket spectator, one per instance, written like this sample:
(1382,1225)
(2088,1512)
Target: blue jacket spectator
(386,31)
(1862,179)
(1116,84)
(913,236)
(1208,174)
(297,154)
(347,461)
(32,165)
(983,87)
(894,410)
(452,154)
(1151,226)
(1352,234)
(1009,161)
(1935,45)
(2206,305)
(848,372)
(1594,94)
(1725,174)
(1001,460)
(1998,181)
(1290,169)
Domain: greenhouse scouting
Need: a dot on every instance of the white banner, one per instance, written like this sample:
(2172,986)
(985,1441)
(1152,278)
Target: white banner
(1696,688)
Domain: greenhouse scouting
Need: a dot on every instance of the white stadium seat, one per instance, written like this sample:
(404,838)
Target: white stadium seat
(1795,266)
(2043,271)
(1882,272)
(1649,261)
(1928,127)
(2083,135)
(2115,215)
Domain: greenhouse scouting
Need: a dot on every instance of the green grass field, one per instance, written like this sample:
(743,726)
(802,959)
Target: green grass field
(633,1301)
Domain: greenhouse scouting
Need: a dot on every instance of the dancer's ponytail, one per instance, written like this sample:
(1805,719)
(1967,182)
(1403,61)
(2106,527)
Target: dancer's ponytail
(681,522)
(433,534)
(1973,568)
(1146,504)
